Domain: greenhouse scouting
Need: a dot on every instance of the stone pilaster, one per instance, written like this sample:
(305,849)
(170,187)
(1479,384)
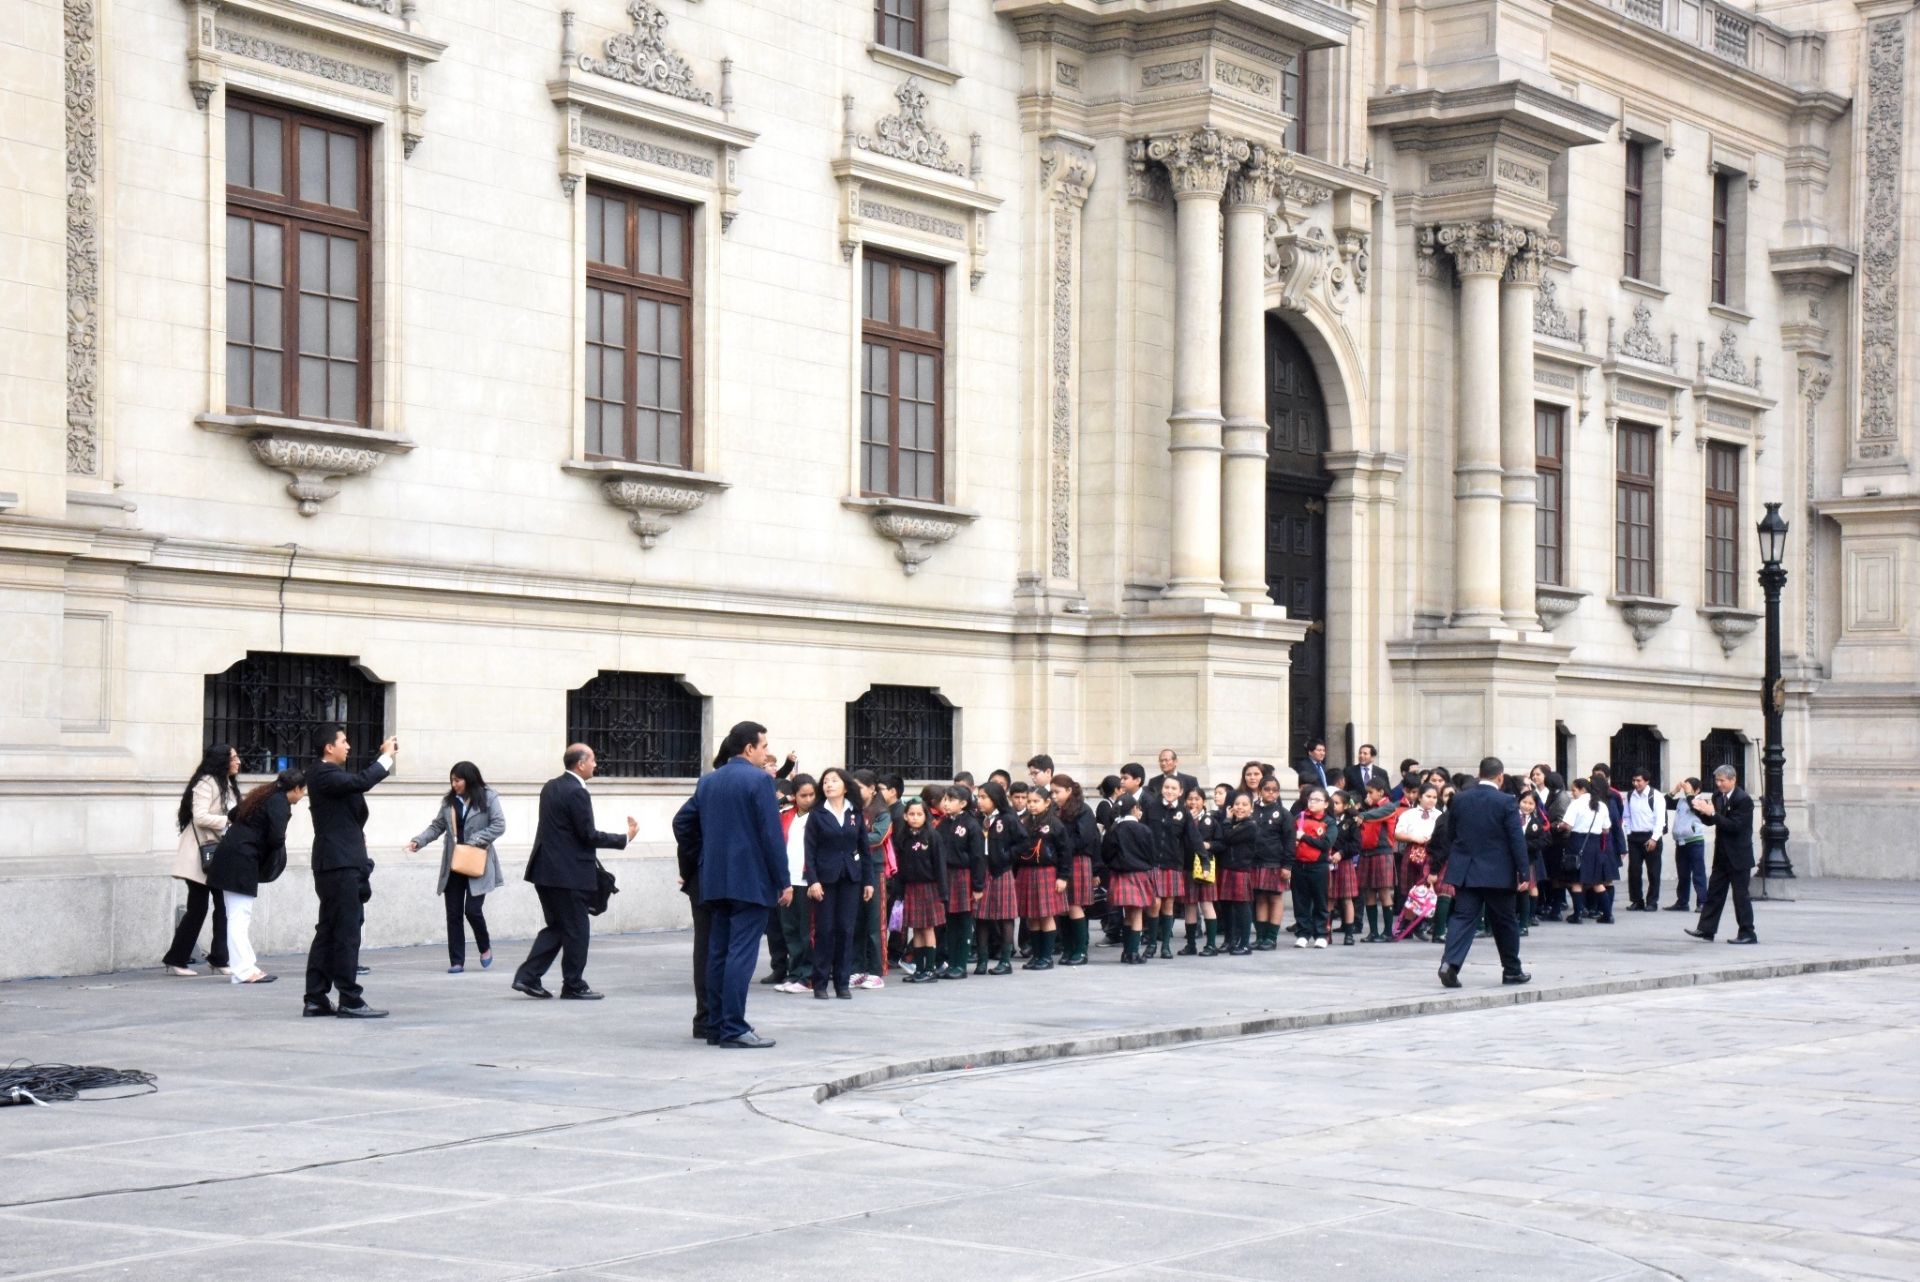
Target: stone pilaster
(1066,172)
(1243,511)
(1519,289)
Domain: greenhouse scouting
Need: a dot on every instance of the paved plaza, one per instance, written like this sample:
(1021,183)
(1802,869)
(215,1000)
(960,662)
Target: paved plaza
(1650,1108)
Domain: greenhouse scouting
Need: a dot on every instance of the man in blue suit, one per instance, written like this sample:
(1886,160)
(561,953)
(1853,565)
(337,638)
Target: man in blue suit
(1488,867)
(734,821)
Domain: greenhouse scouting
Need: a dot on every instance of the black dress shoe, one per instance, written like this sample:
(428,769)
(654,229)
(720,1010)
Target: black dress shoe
(362,1011)
(531,987)
(747,1041)
(1699,934)
(1449,975)
(820,994)
(773,979)
(363,970)
(1515,977)
(1745,937)
(844,993)
(702,1034)
(581,995)
(1678,908)
(311,1009)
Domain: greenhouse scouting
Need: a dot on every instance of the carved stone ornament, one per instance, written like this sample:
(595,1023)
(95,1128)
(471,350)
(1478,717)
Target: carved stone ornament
(1549,317)
(916,528)
(1880,244)
(1259,180)
(1199,161)
(1555,603)
(1068,170)
(1146,182)
(651,492)
(1482,248)
(1528,263)
(1644,614)
(905,135)
(642,58)
(1726,365)
(1305,264)
(1732,626)
(313,454)
(83,237)
(1354,253)
(1639,341)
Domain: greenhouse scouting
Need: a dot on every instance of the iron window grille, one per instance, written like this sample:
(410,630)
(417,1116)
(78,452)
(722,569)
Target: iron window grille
(906,730)
(270,705)
(640,725)
(1635,748)
(1723,748)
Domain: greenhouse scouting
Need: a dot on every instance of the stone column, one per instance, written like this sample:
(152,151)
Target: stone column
(1518,481)
(1243,511)
(1480,252)
(1198,164)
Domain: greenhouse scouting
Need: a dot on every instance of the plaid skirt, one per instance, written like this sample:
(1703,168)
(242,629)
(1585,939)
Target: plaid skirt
(1130,889)
(922,908)
(1169,883)
(1444,890)
(1035,893)
(1195,891)
(1343,882)
(1270,880)
(1080,881)
(959,890)
(1376,870)
(1413,872)
(1002,902)
(1235,886)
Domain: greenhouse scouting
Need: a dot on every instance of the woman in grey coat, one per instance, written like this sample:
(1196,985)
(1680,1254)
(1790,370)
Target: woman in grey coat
(469,815)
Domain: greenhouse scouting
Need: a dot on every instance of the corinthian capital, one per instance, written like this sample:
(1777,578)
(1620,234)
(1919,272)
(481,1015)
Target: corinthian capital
(1066,172)
(1530,259)
(1199,162)
(1482,248)
(1259,180)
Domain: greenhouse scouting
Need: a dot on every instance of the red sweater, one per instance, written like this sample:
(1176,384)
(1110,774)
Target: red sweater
(1304,827)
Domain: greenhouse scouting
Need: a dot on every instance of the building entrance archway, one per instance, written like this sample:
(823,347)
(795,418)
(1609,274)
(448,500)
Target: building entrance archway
(1297,485)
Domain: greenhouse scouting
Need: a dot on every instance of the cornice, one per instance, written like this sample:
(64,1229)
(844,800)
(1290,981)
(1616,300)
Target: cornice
(1688,64)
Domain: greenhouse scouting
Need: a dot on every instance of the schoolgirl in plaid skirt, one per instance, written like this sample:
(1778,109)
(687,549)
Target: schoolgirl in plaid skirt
(1176,842)
(1200,894)
(1038,877)
(999,907)
(1343,881)
(1272,860)
(1127,855)
(966,875)
(922,857)
(1079,846)
(1234,868)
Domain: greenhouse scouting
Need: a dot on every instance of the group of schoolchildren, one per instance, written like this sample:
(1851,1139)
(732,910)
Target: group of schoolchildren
(974,872)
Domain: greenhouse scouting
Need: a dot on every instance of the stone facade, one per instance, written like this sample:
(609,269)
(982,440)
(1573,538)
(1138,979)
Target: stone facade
(1120,201)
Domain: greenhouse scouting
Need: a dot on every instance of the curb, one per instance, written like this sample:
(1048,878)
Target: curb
(1154,1038)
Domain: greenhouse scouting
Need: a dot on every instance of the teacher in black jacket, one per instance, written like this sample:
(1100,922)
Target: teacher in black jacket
(1486,863)
(1729,812)
(342,872)
(565,872)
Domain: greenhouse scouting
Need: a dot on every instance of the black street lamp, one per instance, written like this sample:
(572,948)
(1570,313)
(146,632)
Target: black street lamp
(1773,702)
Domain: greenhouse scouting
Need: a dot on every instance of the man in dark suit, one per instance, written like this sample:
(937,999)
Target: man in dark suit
(342,873)
(565,873)
(1730,814)
(1365,772)
(1313,770)
(734,821)
(1487,864)
(1170,769)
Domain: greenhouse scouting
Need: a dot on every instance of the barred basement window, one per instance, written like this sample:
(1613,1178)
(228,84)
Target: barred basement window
(1635,748)
(1723,748)
(903,729)
(640,725)
(270,705)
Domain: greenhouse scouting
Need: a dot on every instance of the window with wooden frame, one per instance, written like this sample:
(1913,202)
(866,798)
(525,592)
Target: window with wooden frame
(299,249)
(1634,220)
(1549,512)
(1293,101)
(902,377)
(1723,524)
(639,376)
(1722,186)
(1634,510)
(901,25)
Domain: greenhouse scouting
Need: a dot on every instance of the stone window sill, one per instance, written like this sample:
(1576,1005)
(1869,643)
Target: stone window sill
(651,492)
(915,526)
(1644,614)
(913,64)
(1633,284)
(1554,603)
(312,453)
(1731,624)
(1728,312)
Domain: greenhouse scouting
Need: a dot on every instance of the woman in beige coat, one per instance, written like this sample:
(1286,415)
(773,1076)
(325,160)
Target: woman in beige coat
(209,798)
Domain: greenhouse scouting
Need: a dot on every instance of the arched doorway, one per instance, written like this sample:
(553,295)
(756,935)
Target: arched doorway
(1297,485)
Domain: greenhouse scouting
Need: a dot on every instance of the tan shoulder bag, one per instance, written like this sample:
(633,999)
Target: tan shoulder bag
(468,861)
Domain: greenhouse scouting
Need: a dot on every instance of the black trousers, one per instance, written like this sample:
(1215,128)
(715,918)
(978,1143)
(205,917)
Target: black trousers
(1727,877)
(564,936)
(1638,858)
(834,918)
(1468,901)
(334,959)
(461,902)
(1310,898)
(779,954)
(702,927)
(869,938)
(187,933)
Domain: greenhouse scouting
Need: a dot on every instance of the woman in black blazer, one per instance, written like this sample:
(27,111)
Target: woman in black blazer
(840,877)
(253,852)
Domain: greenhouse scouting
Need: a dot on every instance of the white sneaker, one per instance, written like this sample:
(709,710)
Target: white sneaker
(870,981)
(1303,942)
(793,986)
(1320,942)
(857,980)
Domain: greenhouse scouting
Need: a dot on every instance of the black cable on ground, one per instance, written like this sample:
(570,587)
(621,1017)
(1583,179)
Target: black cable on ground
(22,1083)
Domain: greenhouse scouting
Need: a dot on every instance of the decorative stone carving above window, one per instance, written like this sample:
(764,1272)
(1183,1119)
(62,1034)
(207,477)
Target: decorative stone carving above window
(1550,318)
(902,184)
(916,528)
(637,115)
(1731,625)
(291,47)
(652,493)
(1640,343)
(1644,614)
(313,454)
(1555,603)
(1727,365)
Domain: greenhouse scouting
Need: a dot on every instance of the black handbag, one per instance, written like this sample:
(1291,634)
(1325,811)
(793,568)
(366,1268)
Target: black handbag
(206,856)
(604,889)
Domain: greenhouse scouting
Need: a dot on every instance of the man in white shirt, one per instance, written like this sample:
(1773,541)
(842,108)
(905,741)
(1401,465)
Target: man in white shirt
(1645,819)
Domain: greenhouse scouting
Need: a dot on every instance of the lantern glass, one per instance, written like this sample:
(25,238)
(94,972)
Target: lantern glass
(1773,536)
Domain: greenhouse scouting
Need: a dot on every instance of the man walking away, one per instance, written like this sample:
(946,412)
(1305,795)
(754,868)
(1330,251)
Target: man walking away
(565,873)
(1486,864)
(342,873)
(734,820)
(1729,812)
